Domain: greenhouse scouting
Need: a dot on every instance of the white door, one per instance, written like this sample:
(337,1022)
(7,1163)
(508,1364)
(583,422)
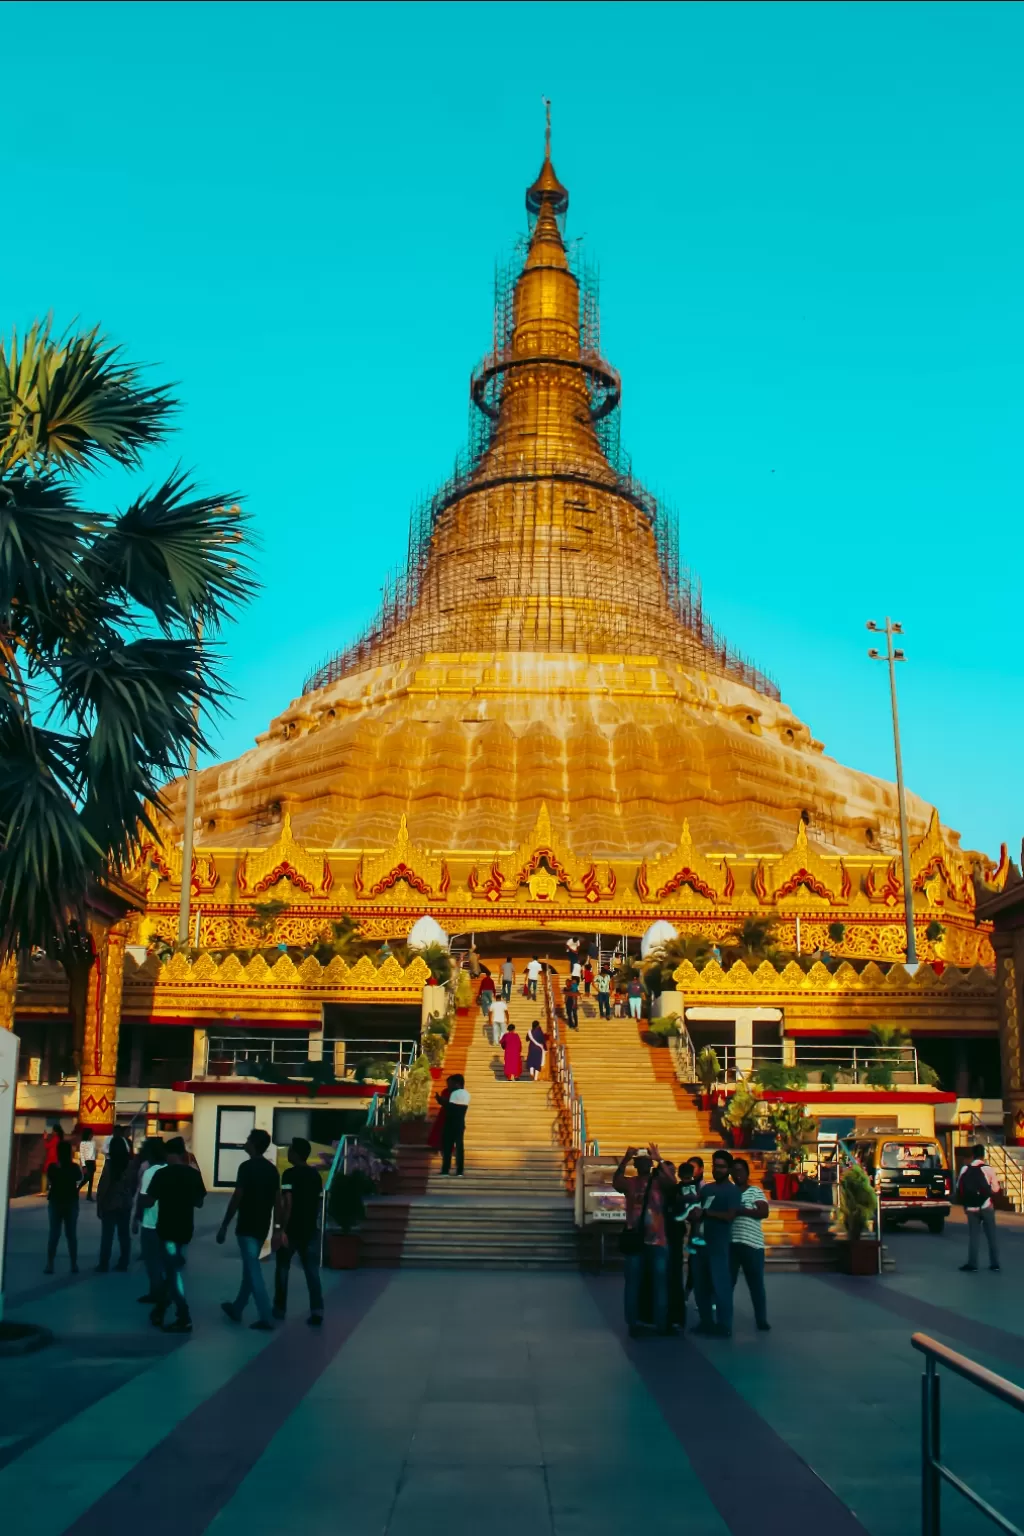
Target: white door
(233,1127)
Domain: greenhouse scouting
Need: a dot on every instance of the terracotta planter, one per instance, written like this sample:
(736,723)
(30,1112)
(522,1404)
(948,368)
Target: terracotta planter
(412,1133)
(859,1257)
(739,1135)
(463,1013)
(436,1073)
(786,1186)
(341,1250)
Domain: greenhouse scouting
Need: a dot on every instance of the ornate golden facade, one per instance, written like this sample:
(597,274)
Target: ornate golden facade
(542,729)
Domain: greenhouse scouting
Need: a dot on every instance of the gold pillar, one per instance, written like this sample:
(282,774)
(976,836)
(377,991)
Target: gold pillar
(8,992)
(102,1026)
(1009,948)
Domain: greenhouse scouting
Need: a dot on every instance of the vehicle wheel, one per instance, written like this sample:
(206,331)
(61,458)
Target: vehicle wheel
(935,1225)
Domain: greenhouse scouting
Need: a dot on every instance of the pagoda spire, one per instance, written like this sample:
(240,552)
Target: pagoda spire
(547,191)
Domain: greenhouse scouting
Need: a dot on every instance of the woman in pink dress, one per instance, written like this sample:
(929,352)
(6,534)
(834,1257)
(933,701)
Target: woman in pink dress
(512,1046)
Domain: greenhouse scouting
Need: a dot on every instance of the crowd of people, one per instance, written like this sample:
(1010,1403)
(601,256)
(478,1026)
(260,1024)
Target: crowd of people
(154,1194)
(687,1235)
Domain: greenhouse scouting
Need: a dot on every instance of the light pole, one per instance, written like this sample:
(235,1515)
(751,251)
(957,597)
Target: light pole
(188,830)
(892,657)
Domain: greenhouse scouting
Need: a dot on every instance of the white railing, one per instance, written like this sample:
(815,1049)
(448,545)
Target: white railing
(1007,1162)
(851,1064)
(684,1055)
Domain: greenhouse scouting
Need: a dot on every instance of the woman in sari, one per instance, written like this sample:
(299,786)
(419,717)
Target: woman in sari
(536,1050)
(512,1047)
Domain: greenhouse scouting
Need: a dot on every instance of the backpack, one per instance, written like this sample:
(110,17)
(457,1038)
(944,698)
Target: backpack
(974,1187)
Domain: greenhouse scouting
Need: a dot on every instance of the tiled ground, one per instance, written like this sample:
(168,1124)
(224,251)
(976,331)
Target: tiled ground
(497,1403)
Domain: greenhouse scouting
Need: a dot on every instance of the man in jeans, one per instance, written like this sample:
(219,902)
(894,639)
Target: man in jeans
(712,1281)
(253,1201)
(746,1241)
(177,1190)
(508,976)
(977,1183)
(646,1191)
(604,989)
(298,1231)
(533,971)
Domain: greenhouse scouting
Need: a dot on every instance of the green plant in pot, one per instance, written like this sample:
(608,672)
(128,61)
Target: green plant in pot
(347,1213)
(743,1114)
(792,1126)
(661,1031)
(464,991)
(436,1025)
(709,1070)
(413,1102)
(439,961)
(857,1212)
(434,1047)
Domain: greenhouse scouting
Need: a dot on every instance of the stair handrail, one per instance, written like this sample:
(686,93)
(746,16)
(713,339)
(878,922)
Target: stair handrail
(564,1077)
(1007,1169)
(684,1054)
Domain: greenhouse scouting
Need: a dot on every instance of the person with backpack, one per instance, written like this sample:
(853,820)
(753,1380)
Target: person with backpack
(977,1183)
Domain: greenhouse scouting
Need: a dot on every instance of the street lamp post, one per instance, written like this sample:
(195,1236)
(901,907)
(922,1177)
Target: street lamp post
(892,656)
(188,830)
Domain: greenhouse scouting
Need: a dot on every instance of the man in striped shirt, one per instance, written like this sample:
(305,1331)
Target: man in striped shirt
(746,1240)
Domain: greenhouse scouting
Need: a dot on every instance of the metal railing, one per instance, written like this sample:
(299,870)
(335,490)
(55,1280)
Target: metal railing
(1007,1168)
(934,1472)
(342,1154)
(684,1055)
(564,1077)
(852,1063)
(231,1054)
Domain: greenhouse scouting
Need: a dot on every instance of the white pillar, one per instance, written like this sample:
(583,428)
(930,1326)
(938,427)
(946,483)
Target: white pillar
(200,1053)
(435,1000)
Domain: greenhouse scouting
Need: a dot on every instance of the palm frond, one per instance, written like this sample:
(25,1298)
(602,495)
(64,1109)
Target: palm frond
(177,555)
(42,537)
(68,402)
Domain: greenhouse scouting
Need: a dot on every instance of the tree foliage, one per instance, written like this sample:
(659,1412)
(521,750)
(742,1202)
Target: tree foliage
(106,624)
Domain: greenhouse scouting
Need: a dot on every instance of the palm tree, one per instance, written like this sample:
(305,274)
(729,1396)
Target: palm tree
(669,955)
(754,941)
(101,614)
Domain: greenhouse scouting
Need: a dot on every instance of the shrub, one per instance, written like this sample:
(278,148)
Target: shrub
(345,1202)
(776,1078)
(744,1108)
(663,1029)
(880,1074)
(436,1025)
(856,1203)
(414,1094)
(439,960)
(928,1075)
(828,1076)
(464,990)
(709,1068)
(379,1069)
(792,1126)
(434,1047)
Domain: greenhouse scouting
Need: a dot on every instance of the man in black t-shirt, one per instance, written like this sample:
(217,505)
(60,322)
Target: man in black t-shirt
(177,1190)
(298,1231)
(254,1201)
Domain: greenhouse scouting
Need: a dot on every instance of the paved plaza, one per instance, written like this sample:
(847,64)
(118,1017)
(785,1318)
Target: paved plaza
(498,1402)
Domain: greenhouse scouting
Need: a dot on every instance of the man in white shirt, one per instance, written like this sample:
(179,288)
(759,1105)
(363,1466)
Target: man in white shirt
(87,1158)
(977,1183)
(508,976)
(533,971)
(577,970)
(153,1158)
(499,1019)
(453,1133)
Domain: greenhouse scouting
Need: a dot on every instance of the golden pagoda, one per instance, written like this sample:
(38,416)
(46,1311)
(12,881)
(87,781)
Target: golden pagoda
(541,728)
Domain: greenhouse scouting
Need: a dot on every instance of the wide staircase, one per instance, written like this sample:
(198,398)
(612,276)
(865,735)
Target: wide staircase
(510,1210)
(627,1100)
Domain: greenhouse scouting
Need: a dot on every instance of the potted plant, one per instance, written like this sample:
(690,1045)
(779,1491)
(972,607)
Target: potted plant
(463,994)
(742,1114)
(792,1126)
(858,1255)
(434,1047)
(413,1102)
(661,1031)
(347,1213)
(709,1070)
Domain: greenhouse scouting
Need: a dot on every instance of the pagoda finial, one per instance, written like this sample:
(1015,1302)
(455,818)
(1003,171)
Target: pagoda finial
(547,189)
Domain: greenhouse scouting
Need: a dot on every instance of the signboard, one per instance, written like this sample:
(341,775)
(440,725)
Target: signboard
(9,1044)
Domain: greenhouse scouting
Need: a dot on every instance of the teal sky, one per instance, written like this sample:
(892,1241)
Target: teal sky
(809,221)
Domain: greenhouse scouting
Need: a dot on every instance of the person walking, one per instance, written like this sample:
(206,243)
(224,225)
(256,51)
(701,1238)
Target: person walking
(533,971)
(635,994)
(977,1183)
(253,1202)
(512,1047)
(115,1196)
(297,1231)
(571,999)
(62,1207)
(712,1280)
(508,976)
(454,1139)
(536,1050)
(176,1191)
(746,1241)
(604,989)
(485,994)
(87,1158)
(51,1147)
(151,1159)
(499,1019)
(588,977)
(644,1243)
